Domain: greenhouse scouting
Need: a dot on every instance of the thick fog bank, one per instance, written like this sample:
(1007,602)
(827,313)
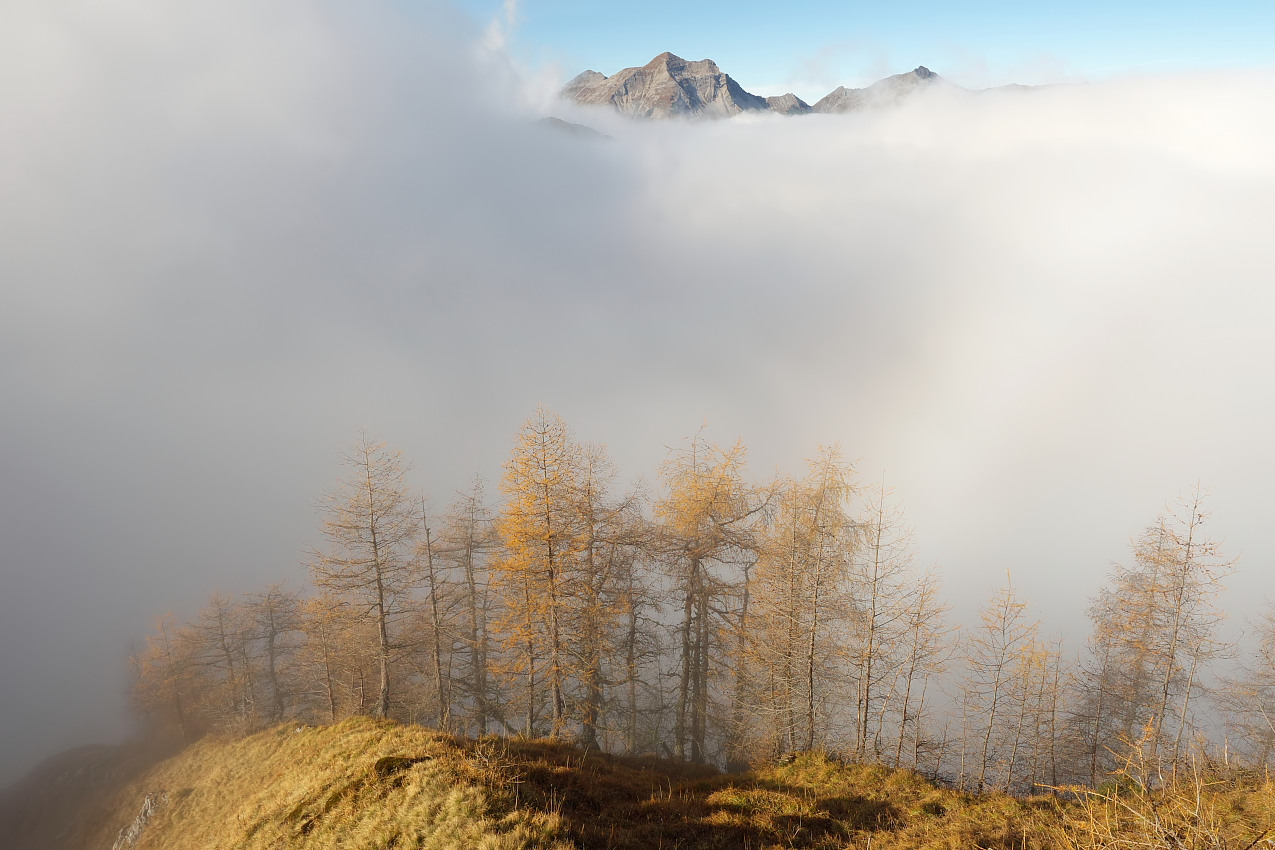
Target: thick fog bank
(232,236)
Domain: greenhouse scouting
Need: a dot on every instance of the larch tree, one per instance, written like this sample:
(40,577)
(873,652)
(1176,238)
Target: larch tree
(602,540)
(891,614)
(328,657)
(436,616)
(708,517)
(926,649)
(636,602)
(161,689)
(994,662)
(1030,712)
(466,542)
(218,642)
(371,527)
(1249,696)
(539,527)
(275,617)
(800,597)
(1154,626)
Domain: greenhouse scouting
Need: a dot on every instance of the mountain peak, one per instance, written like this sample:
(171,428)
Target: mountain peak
(924,72)
(667,85)
(667,58)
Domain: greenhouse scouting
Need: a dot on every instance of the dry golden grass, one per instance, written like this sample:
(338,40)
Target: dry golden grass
(371,784)
(357,784)
(1196,806)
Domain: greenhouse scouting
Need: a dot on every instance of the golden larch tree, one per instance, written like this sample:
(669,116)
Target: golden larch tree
(539,529)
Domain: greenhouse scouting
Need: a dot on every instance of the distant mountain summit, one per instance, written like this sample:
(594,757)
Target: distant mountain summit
(669,85)
(788,104)
(881,93)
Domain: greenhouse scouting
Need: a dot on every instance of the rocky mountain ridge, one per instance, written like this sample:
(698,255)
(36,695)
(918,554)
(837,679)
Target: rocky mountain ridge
(669,86)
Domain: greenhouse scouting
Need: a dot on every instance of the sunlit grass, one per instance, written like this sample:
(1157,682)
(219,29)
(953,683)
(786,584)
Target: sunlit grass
(320,787)
(372,784)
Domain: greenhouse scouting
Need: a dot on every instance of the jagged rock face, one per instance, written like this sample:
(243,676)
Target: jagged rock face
(880,93)
(788,104)
(668,85)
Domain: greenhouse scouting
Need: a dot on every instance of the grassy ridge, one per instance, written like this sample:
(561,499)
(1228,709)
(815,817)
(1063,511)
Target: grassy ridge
(371,784)
(357,784)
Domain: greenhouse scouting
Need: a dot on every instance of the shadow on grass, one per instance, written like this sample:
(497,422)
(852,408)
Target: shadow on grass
(618,803)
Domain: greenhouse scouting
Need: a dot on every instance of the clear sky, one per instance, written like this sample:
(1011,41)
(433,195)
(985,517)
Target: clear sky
(811,46)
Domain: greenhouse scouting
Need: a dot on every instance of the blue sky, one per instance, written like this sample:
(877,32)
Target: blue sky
(811,47)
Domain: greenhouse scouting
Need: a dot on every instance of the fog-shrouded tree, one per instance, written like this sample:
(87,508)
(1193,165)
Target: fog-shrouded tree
(219,642)
(1031,729)
(709,532)
(1248,697)
(799,605)
(1155,626)
(884,625)
(275,619)
(537,567)
(435,618)
(605,540)
(332,658)
(371,528)
(636,602)
(466,544)
(996,656)
(925,647)
(164,690)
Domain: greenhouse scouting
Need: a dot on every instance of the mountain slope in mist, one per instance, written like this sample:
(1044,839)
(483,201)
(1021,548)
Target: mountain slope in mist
(65,800)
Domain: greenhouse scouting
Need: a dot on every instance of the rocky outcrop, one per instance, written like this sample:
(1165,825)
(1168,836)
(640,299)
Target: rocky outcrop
(131,834)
